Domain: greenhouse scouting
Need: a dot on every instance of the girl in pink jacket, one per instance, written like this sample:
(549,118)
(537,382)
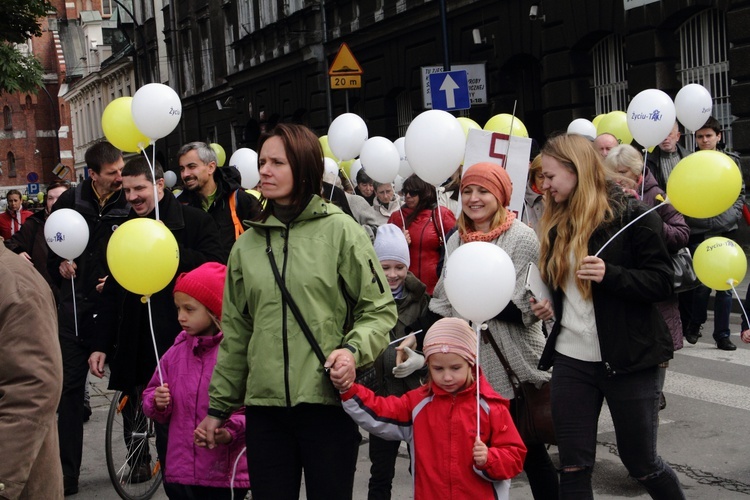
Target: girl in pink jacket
(439,420)
(182,400)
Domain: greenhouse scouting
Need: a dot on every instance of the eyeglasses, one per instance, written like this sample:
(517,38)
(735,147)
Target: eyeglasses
(411,192)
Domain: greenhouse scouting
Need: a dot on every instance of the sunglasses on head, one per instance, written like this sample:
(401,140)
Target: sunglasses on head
(411,192)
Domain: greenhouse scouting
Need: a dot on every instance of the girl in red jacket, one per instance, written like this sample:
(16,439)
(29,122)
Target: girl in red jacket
(439,420)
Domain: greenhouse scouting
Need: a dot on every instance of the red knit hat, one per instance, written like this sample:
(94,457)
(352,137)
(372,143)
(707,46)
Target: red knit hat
(451,335)
(491,177)
(205,284)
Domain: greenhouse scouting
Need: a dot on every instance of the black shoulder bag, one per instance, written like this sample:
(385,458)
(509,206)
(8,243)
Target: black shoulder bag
(532,411)
(366,377)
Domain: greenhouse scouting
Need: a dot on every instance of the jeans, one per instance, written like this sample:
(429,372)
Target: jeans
(578,391)
(722,310)
(383,456)
(282,442)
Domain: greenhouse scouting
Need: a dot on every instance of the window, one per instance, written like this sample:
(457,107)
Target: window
(610,84)
(8,118)
(107,8)
(269,12)
(703,60)
(188,83)
(11,165)
(246,14)
(207,69)
(292,6)
(404,112)
(229,40)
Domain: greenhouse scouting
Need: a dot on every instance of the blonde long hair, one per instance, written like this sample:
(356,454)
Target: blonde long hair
(576,218)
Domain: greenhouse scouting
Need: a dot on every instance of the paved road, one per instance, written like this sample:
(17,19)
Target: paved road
(703,433)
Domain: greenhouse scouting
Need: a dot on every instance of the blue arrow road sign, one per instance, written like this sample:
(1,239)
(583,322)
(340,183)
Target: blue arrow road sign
(450,90)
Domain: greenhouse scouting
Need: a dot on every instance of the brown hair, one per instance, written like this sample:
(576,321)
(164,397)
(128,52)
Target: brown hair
(305,157)
(427,196)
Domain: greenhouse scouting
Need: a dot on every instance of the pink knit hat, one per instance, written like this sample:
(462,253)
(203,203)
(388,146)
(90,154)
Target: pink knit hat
(451,335)
(491,177)
(205,284)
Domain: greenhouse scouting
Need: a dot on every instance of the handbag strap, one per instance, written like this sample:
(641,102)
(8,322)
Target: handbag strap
(515,382)
(293,305)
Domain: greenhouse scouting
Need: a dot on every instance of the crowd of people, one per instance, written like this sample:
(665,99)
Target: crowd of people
(281,305)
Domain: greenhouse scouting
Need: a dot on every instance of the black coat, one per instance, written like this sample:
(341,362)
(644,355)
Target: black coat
(247,206)
(632,333)
(92,264)
(125,334)
(30,239)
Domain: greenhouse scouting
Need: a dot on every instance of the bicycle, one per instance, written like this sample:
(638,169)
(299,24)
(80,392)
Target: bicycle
(129,445)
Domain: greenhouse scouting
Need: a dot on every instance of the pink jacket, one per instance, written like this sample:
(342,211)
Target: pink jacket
(187,367)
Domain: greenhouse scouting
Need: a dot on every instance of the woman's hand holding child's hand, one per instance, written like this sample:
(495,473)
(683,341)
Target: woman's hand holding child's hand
(162,397)
(480,452)
(222,436)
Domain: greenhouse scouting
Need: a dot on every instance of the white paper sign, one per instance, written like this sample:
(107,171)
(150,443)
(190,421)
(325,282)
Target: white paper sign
(512,152)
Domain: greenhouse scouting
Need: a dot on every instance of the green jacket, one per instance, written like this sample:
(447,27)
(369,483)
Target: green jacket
(324,257)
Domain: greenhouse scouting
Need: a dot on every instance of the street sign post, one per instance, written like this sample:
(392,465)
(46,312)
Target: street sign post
(32,188)
(477,82)
(450,90)
(32,177)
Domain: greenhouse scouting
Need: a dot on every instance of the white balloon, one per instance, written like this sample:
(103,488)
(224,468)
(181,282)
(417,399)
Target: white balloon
(170,179)
(246,161)
(583,127)
(346,136)
(356,167)
(404,169)
(479,280)
(398,184)
(651,115)
(380,159)
(67,233)
(156,110)
(694,105)
(435,144)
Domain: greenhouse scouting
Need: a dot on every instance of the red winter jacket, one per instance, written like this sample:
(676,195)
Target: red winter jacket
(441,428)
(426,240)
(9,222)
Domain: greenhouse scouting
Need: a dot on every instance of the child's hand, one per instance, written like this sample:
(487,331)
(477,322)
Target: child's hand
(411,343)
(222,436)
(480,452)
(161,397)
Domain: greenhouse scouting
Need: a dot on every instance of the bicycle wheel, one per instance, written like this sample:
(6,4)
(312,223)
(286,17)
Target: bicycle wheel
(130,447)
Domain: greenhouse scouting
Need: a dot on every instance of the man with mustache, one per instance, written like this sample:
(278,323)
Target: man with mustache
(125,333)
(100,201)
(216,191)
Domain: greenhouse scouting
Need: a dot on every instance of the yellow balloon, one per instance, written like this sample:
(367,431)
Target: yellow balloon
(704,184)
(327,153)
(346,166)
(615,123)
(596,121)
(501,124)
(720,263)
(221,155)
(40,196)
(143,256)
(119,127)
(468,124)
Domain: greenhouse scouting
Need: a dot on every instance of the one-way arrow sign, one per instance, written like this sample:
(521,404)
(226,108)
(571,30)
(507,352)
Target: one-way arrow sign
(450,90)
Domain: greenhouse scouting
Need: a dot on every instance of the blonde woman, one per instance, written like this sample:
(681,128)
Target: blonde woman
(608,339)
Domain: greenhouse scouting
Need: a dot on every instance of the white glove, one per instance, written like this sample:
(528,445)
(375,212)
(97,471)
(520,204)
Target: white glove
(414,361)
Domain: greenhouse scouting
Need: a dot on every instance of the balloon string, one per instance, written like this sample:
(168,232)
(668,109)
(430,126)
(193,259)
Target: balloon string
(643,178)
(234,472)
(440,218)
(153,339)
(627,226)
(151,164)
(75,310)
(477,327)
(346,176)
(744,313)
(510,132)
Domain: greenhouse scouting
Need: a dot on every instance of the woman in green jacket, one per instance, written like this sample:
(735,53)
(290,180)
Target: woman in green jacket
(326,261)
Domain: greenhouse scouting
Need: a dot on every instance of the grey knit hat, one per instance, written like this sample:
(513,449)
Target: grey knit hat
(390,244)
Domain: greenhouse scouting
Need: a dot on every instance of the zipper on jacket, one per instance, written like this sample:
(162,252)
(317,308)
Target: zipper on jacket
(285,343)
(375,277)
